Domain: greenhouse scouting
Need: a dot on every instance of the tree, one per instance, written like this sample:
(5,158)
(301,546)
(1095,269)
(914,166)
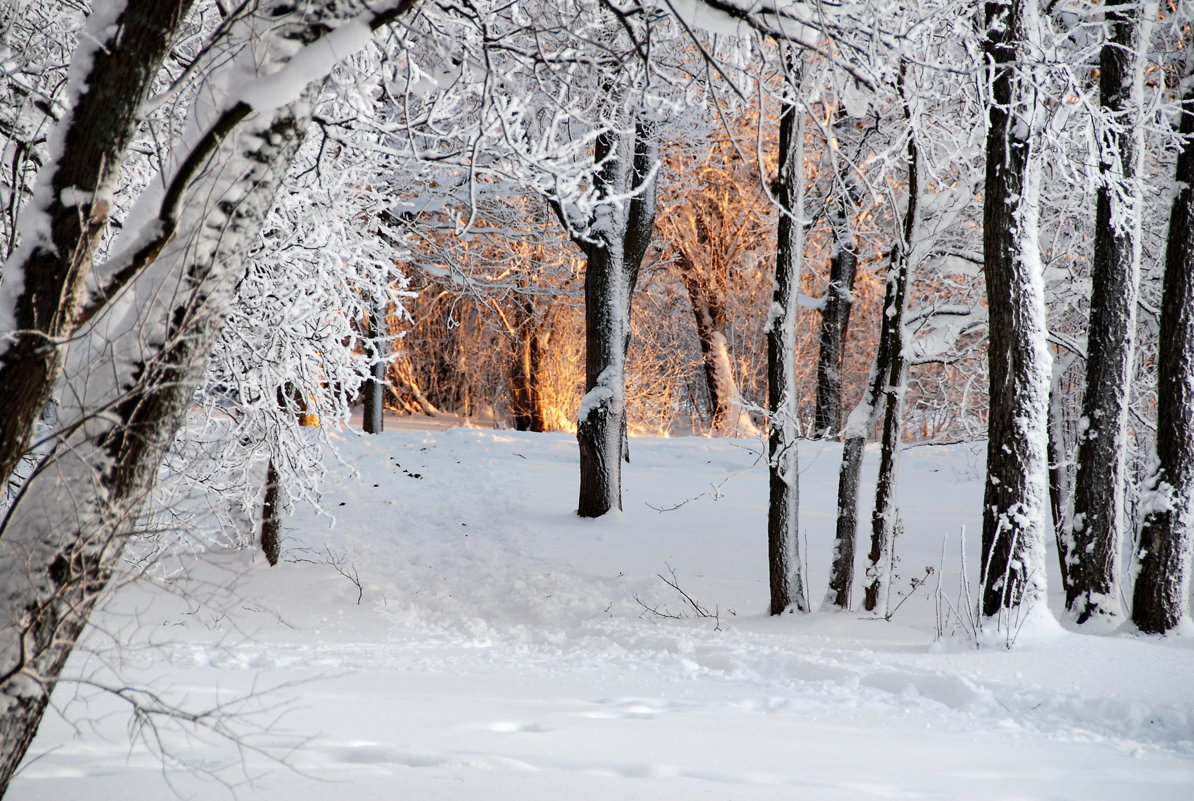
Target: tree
(1016,493)
(786,578)
(1093,542)
(716,225)
(839,293)
(620,232)
(140,342)
(1161,597)
(885,522)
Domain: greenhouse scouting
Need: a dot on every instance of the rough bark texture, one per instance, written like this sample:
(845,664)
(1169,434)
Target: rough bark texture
(1096,527)
(55,266)
(1016,491)
(786,580)
(1057,477)
(619,242)
(885,519)
(70,552)
(835,324)
(1161,596)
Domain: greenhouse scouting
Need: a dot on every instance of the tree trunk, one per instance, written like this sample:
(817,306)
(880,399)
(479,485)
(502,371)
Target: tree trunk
(374,390)
(150,345)
(1096,527)
(835,322)
(786,578)
(858,425)
(1161,598)
(526,367)
(885,519)
(42,308)
(1016,495)
(706,295)
(1057,474)
(271,515)
(619,242)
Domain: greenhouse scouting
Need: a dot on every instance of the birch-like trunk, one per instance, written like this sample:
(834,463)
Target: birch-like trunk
(783,546)
(706,294)
(1096,528)
(374,390)
(1016,494)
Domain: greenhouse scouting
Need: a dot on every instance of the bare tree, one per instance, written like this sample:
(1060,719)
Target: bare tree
(137,352)
(1016,495)
(786,578)
(885,519)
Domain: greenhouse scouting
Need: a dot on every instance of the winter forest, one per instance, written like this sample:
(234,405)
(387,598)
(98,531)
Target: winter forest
(661,399)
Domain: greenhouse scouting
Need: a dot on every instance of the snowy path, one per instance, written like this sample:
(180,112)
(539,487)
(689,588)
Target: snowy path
(499,651)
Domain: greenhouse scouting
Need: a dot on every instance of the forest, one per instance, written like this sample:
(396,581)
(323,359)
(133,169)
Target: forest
(233,231)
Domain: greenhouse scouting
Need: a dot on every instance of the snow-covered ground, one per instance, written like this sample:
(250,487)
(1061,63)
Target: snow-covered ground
(499,647)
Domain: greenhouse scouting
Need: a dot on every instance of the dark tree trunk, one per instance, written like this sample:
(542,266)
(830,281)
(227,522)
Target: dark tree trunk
(526,367)
(77,547)
(56,558)
(1162,592)
(885,519)
(783,547)
(1096,527)
(100,127)
(835,323)
(1016,495)
(374,390)
(614,256)
(271,515)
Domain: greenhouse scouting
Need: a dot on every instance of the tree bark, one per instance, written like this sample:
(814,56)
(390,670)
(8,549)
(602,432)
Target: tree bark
(374,390)
(1057,476)
(271,515)
(128,383)
(786,578)
(859,424)
(1016,493)
(45,277)
(1095,533)
(835,321)
(526,368)
(1161,597)
(619,242)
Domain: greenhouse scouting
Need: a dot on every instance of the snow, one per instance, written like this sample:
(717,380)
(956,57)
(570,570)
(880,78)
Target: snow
(310,64)
(497,648)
